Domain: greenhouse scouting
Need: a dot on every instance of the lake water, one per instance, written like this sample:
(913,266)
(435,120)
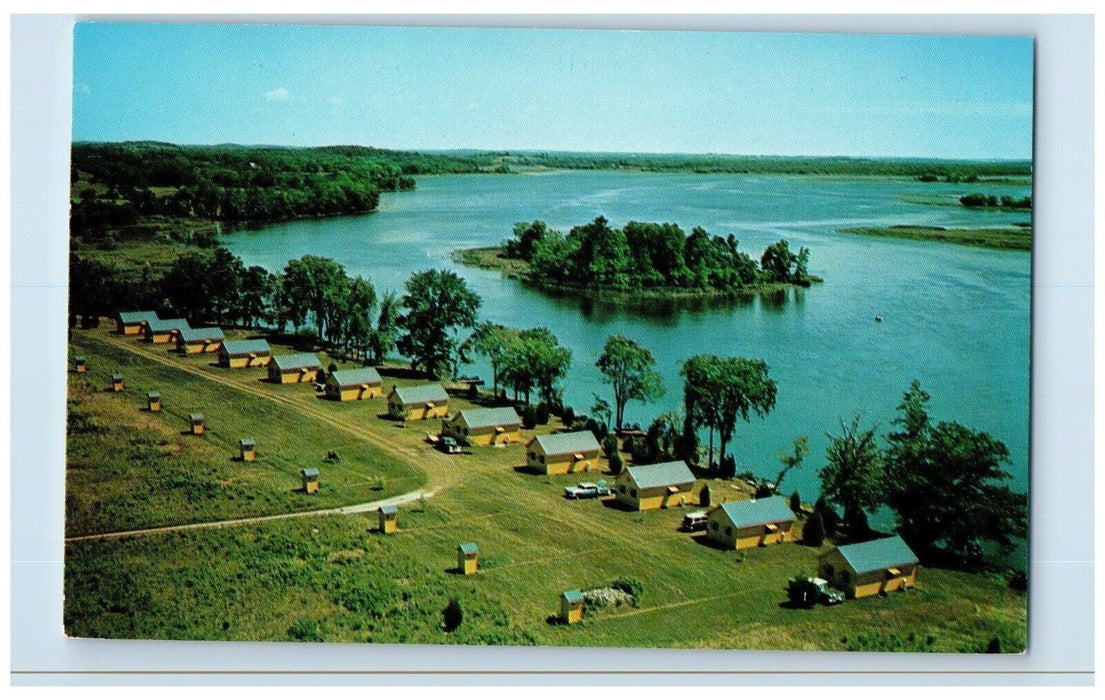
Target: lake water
(954,317)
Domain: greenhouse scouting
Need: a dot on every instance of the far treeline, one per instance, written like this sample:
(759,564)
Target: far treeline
(650,255)
(126,181)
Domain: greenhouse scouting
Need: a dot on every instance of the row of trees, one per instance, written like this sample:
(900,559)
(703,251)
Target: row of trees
(649,255)
(524,360)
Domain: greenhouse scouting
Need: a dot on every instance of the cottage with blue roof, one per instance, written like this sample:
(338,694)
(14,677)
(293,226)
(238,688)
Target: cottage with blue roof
(757,523)
(354,384)
(133,322)
(191,341)
(237,354)
(484,426)
(655,486)
(870,568)
(299,368)
(163,330)
(563,453)
(421,402)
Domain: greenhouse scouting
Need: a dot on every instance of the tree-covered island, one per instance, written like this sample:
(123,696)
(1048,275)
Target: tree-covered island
(651,259)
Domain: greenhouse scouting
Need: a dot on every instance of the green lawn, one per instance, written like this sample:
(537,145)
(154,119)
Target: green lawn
(334,578)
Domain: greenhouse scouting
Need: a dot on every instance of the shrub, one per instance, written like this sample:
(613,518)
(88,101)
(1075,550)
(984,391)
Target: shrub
(542,414)
(473,391)
(704,496)
(304,630)
(631,586)
(1018,580)
(813,533)
(529,416)
(568,416)
(613,455)
(453,615)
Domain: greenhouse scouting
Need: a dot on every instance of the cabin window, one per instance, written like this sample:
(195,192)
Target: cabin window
(714,527)
(633,493)
(533,455)
(621,489)
(541,459)
(728,531)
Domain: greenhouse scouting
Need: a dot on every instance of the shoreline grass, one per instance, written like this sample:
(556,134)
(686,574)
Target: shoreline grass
(1013,238)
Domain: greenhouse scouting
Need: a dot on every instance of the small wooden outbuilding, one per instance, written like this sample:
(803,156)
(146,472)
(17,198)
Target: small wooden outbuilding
(870,568)
(563,453)
(310,479)
(153,401)
(742,524)
(117,383)
(194,341)
(133,322)
(354,384)
(389,519)
(237,354)
(294,369)
(468,558)
(247,449)
(197,423)
(80,364)
(654,486)
(163,330)
(421,402)
(484,426)
(571,606)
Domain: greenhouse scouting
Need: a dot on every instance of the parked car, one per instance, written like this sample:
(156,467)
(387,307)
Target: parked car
(448,445)
(807,592)
(693,522)
(586,489)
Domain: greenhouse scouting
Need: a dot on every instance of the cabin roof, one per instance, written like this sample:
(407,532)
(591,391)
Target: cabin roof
(568,443)
(877,554)
(296,361)
(80,358)
(489,417)
(167,324)
(663,474)
(423,393)
(195,416)
(247,442)
(766,510)
(210,333)
(153,395)
(572,596)
(128,317)
(116,376)
(356,377)
(309,471)
(389,510)
(469,548)
(245,347)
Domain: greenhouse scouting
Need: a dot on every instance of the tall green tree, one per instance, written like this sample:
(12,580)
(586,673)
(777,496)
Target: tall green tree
(436,303)
(630,369)
(356,326)
(386,332)
(945,482)
(493,342)
(853,477)
(701,407)
(745,389)
(256,299)
(778,260)
(314,286)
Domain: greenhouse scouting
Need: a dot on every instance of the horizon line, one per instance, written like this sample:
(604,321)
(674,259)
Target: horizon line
(536,150)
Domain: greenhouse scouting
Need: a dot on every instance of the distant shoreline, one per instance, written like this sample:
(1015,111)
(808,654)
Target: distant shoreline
(1013,238)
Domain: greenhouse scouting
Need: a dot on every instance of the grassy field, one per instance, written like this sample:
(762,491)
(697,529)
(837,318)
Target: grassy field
(1016,238)
(334,578)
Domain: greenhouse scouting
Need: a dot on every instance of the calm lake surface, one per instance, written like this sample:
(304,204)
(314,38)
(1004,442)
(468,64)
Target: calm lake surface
(954,317)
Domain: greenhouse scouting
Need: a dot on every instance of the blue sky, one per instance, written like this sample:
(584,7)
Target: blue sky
(580,90)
